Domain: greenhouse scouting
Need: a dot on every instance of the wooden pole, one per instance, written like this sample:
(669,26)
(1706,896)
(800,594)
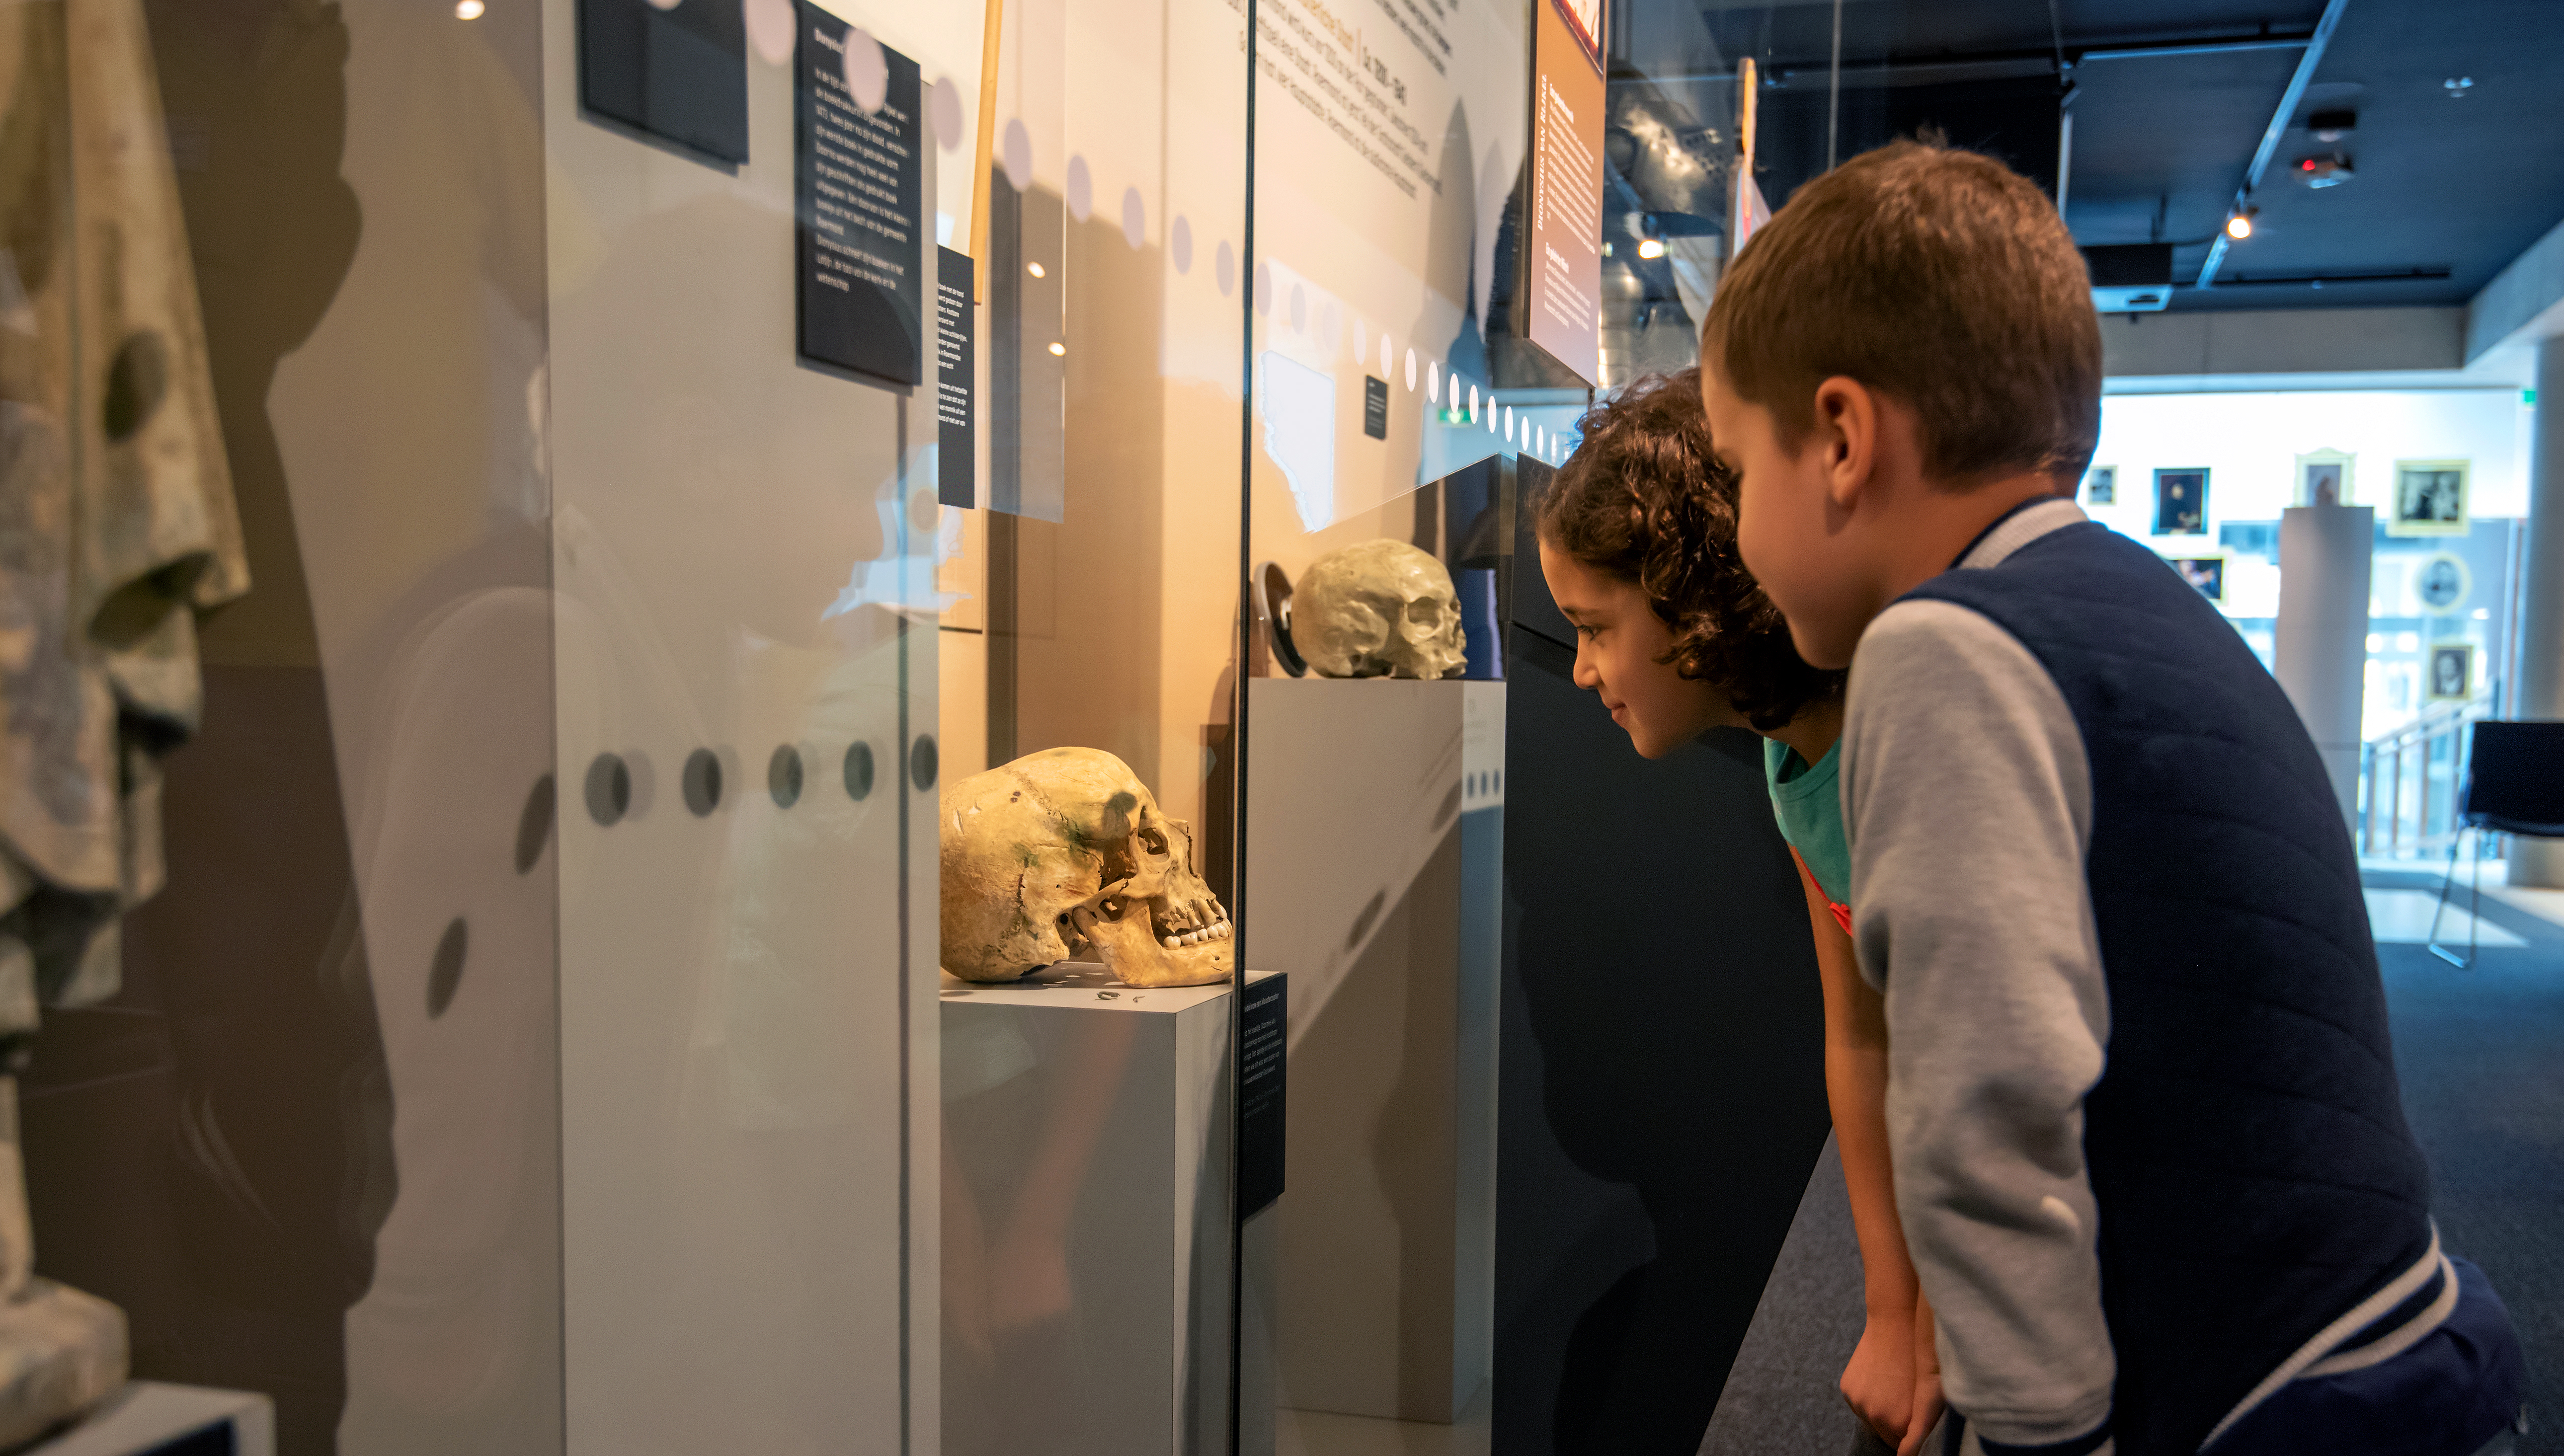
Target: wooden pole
(987,148)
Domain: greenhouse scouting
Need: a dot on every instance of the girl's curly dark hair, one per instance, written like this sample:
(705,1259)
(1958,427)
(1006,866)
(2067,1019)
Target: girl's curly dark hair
(1644,501)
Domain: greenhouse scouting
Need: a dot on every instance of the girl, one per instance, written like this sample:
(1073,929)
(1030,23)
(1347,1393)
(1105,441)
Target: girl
(1637,541)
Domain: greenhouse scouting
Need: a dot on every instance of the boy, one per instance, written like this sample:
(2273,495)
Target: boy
(2148,1152)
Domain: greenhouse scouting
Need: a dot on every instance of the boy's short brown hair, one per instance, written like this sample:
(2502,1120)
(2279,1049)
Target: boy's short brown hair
(1644,500)
(1939,276)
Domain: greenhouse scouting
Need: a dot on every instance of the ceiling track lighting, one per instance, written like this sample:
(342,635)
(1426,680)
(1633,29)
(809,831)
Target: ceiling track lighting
(2239,226)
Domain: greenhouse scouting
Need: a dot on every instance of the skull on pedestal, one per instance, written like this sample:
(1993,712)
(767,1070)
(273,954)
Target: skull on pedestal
(1377,609)
(1068,846)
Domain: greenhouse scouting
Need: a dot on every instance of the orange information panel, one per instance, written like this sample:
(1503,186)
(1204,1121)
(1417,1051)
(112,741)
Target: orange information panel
(1563,276)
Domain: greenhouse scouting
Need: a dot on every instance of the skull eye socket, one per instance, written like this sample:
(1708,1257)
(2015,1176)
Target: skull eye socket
(1152,841)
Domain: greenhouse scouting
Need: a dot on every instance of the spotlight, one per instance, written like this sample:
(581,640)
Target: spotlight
(2239,226)
(467,9)
(1651,248)
(1059,350)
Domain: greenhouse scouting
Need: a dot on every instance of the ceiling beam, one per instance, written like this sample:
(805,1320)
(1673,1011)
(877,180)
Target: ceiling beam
(2278,128)
(2021,61)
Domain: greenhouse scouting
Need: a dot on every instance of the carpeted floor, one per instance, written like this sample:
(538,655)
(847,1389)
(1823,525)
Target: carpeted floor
(2482,1057)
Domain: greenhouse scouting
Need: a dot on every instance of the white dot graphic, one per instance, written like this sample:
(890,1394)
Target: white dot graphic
(1383,356)
(1017,154)
(1434,383)
(1299,309)
(1180,243)
(1227,267)
(1410,368)
(770,30)
(944,103)
(867,71)
(1081,189)
(1264,288)
(1135,217)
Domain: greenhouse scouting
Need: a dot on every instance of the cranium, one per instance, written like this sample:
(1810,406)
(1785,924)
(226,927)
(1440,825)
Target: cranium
(1068,846)
(1378,609)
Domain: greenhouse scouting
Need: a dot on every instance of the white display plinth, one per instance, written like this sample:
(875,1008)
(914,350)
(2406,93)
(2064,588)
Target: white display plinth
(1374,870)
(1088,1144)
(147,1416)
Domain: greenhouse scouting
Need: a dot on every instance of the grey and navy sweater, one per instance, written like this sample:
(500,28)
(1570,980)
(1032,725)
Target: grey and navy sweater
(2149,1150)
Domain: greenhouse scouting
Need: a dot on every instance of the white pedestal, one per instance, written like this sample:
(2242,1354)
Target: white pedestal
(1088,1142)
(1374,873)
(148,1417)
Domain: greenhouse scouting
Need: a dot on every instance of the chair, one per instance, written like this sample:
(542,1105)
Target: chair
(2514,785)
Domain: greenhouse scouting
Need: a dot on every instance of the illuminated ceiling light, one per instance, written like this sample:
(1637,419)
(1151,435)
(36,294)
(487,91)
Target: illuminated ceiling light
(1651,248)
(2239,226)
(467,9)
(1059,350)
(1034,268)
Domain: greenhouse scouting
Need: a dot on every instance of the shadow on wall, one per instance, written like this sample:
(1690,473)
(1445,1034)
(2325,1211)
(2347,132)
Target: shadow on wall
(211,1149)
(1663,1096)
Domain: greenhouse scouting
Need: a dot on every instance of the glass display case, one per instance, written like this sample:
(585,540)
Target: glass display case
(849,786)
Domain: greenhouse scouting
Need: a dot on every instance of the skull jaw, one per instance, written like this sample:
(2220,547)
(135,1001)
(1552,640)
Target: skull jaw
(1130,948)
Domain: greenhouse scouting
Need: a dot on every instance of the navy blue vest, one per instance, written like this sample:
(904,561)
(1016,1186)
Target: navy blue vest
(2247,1141)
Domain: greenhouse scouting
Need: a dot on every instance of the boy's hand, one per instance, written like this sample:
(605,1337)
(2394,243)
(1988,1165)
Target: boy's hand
(1879,1384)
(1928,1403)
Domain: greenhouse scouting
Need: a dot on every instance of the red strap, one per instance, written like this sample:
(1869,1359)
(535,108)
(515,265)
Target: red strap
(1842,912)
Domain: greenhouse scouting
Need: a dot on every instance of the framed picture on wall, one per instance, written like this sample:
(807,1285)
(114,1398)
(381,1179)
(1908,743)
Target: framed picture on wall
(2101,486)
(2453,673)
(2323,478)
(2181,501)
(2430,497)
(2208,573)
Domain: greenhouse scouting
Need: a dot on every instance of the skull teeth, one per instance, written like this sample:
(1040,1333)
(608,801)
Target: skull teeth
(1184,939)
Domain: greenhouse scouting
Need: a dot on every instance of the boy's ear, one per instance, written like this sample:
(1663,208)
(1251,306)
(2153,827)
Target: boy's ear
(1847,422)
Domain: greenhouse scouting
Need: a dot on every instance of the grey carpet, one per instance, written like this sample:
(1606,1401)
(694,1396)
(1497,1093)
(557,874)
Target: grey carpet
(2481,1056)
(1780,1396)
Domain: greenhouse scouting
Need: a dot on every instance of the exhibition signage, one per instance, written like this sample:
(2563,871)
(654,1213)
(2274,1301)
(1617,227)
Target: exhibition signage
(1564,272)
(858,188)
(1263,1037)
(676,71)
(956,372)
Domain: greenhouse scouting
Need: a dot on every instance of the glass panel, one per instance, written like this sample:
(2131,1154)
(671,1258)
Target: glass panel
(1088,606)
(1398,397)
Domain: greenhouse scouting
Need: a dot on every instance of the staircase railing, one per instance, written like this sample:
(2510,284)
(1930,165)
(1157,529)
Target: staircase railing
(2409,781)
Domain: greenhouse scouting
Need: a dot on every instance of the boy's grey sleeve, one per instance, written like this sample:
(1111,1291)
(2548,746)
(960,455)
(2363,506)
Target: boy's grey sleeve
(1968,804)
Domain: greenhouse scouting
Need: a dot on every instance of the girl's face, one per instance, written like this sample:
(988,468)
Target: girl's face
(1619,640)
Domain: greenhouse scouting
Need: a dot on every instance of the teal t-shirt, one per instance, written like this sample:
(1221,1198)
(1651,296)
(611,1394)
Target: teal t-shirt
(1808,803)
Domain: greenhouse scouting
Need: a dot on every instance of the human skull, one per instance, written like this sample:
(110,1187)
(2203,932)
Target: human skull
(1378,609)
(1065,847)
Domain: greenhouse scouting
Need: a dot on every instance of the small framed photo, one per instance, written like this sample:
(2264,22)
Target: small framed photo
(2453,673)
(2443,583)
(2430,497)
(2181,501)
(2101,486)
(2208,573)
(2323,478)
